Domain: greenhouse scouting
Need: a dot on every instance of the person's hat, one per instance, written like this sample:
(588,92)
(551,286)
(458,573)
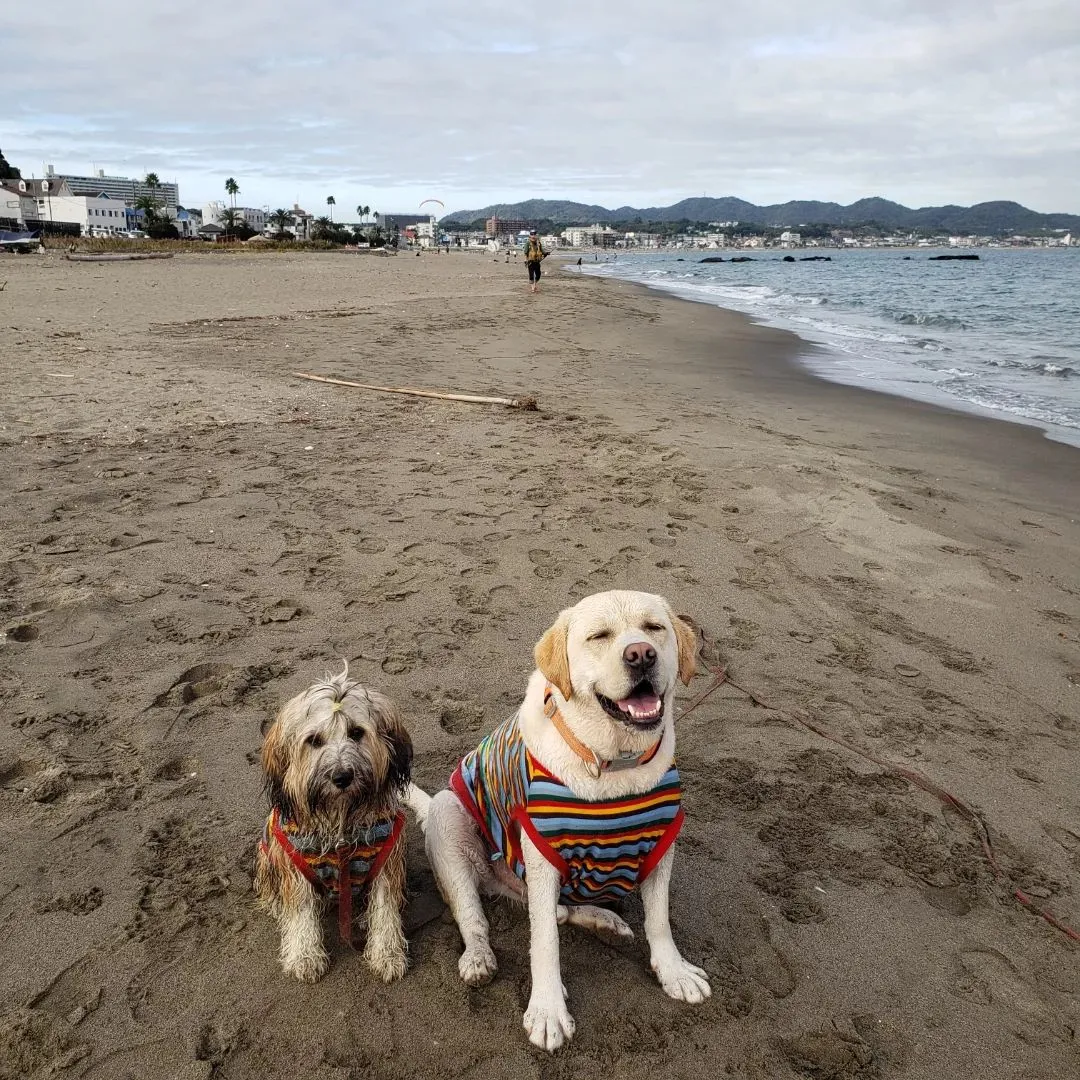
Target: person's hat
(532,232)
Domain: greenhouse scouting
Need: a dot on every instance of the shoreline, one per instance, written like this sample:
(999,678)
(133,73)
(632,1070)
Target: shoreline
(194,535)
(929,397)
(1020,450)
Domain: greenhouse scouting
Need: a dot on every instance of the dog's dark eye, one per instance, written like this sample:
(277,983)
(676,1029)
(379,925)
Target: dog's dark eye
(600,635)
(314,740)
(356,733)
(653,627)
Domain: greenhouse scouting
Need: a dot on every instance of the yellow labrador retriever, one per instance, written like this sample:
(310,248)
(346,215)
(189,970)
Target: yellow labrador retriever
(577,794)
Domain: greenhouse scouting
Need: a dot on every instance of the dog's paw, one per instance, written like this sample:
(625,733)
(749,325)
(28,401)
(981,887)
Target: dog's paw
(683,981)
(388,965)
(477,965)
(548,1023)
(605,924)
(308,969)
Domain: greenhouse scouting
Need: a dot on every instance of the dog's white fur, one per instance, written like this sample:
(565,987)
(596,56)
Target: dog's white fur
(360,729)
(578,665)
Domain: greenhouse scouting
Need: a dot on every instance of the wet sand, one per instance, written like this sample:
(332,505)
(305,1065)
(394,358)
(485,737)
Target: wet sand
(192,535)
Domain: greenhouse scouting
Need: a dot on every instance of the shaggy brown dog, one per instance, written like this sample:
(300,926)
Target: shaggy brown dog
(337,761)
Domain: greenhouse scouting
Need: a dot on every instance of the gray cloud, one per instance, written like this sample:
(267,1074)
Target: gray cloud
(639,102)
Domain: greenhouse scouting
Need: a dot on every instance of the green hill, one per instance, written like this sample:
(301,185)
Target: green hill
(987,217)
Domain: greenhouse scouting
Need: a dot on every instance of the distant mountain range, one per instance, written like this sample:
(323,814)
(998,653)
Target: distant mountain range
(990,217)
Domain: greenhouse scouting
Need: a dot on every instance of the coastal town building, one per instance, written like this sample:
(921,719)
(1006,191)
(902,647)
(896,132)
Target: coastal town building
(505,228)
(97,205)
(50,201)
(301,224)
(643,240)
(213,213)
(124,188)
(17,203)
(188,223)
(601,236)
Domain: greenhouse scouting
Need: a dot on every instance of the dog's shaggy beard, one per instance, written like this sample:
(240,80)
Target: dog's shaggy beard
(316,805)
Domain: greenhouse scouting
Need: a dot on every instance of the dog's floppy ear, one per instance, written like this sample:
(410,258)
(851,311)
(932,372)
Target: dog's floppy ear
(401,754)
(397,738)
(687,638)
(552,658)
(275,762)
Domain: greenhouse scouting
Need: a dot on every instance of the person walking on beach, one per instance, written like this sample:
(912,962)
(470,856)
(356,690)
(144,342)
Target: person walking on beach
(534,256)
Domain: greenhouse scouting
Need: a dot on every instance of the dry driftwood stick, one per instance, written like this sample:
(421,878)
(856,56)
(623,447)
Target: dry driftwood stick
(527,402)
(121,257)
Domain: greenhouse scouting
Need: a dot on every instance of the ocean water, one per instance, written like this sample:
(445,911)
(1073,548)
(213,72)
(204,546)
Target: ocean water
(999,337)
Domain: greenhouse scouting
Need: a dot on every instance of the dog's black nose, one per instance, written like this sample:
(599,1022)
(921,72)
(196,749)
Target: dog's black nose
(342,778)
(639,654)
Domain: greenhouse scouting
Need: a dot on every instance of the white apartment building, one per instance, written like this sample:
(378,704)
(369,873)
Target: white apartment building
(51,200)
(301,225)
(16,202)
(593,236)
(117,187)
(213,213)
(188,223)
(101,215)
(643,240)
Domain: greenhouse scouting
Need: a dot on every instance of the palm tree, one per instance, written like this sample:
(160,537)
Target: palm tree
(331,202)
(375,215)
(147,209)
(280,219)
(232,189)
(322,227)
(230,218)
(148,203)
(367,210)
(360,211)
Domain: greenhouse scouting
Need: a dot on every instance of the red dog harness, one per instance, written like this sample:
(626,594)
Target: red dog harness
(346,868)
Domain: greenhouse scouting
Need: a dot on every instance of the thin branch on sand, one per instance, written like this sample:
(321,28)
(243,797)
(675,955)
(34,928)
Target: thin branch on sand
(133,256)
(528,402)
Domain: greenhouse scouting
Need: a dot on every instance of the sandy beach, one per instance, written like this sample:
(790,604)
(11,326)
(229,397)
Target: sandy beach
(192,535)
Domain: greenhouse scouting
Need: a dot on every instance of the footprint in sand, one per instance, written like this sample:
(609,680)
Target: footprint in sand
(544,564)
(281,611)
(398,664)
(459,717)
(177,768)
(829,1053)
(1057,616)
(195,683)
(987,975)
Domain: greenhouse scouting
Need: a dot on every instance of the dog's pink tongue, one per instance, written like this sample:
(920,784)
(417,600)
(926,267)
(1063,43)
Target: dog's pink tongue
(641,706)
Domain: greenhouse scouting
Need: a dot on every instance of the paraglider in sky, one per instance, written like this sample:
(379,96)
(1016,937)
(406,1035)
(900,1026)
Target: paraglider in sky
(426,201)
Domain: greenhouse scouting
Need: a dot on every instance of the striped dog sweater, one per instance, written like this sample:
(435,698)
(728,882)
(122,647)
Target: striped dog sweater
(603,850)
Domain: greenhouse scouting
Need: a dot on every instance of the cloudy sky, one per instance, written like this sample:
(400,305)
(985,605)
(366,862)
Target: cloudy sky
(613,101)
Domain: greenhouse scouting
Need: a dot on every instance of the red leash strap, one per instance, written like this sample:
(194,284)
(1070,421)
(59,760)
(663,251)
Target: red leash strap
(345,910)
(344,904)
